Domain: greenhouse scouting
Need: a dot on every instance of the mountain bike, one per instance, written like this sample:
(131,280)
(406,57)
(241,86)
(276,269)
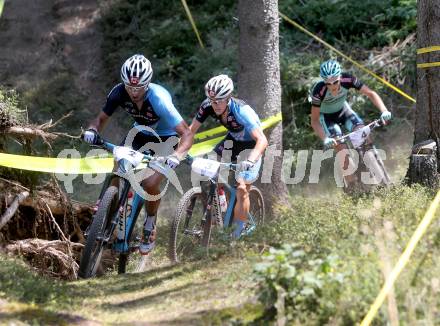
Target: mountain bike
(198,211)
(363,154)
(113,224)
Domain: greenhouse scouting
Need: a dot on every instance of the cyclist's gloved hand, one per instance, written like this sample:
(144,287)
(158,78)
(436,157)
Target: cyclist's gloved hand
(386,116)
(172,161)
(91,136)
(246,165)
(329,142)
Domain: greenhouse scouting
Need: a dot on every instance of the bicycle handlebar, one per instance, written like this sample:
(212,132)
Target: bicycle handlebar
(102,143)
(374,124)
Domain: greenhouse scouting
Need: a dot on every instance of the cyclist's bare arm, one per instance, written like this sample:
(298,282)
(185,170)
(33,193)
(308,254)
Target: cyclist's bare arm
(316,125)
(258,135)
(99,122)
(186,139)
(374,98)
(195,125)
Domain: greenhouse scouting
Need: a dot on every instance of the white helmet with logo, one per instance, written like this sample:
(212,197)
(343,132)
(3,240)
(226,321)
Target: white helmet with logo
(219,87)
(136,70)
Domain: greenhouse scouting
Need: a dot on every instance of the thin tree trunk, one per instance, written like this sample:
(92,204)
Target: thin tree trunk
(259,80)
(427,124)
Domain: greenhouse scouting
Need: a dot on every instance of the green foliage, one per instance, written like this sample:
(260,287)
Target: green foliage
(292,285)
(10,113)
(364,23)
(354,229)
(162,32)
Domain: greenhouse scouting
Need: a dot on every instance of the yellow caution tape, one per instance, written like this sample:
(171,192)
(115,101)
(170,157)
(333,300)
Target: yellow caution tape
(428,49)
(90,165)
(188,13)
(57,165)
(210,133)
(347,57)
(403,260)
(428,65)
(266,123)
(207,146)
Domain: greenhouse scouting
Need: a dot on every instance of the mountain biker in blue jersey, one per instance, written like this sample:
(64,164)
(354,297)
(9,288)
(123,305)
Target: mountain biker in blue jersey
(330,109)
(244,132)
(150,105)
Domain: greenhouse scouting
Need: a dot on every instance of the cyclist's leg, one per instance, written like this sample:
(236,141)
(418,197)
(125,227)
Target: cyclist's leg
(241,210)
(330,124)
(352,120)
(151,185)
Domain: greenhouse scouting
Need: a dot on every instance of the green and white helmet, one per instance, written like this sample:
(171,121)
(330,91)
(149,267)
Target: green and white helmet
(329,69)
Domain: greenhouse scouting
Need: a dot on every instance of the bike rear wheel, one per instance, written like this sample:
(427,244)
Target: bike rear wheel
(94,247)
(189,229)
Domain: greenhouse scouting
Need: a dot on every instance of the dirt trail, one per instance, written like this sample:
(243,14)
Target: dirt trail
(41,38)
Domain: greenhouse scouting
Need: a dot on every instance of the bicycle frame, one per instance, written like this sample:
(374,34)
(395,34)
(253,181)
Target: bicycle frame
(122,245)
(227,219)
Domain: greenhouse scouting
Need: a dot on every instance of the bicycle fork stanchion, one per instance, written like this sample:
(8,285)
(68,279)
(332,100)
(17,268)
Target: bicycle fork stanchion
(230,211)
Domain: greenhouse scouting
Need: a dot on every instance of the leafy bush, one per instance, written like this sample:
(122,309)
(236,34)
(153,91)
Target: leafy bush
(10,113)
(292,285)
(355,230)
(364,23)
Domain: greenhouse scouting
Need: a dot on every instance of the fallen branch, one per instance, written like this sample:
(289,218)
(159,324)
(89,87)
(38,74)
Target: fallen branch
(28,132)
(13,208)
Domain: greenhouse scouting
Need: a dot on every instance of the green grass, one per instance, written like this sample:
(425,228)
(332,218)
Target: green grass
(221,289)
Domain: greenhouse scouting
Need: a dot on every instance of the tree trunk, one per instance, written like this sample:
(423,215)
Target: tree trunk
(427,125)
(259,81)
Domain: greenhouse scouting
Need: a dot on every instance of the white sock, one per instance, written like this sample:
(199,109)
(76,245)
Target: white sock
(149,222)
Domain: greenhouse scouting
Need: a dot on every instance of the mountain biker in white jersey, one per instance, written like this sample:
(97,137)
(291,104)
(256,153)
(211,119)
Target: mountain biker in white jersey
(245,133)
(149,105)
(330,109)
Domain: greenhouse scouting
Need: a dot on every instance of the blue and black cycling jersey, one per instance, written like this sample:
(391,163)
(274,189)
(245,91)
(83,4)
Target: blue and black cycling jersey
(240,122)
(158,111)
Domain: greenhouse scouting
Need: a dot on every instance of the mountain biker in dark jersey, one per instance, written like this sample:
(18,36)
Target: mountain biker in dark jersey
(244,132)
(151,107)
(330,109)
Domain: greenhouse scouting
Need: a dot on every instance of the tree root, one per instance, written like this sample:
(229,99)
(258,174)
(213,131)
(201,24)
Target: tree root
(49,257)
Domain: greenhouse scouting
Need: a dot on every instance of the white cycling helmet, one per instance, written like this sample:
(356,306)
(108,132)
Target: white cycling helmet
(136,70)
(219,87)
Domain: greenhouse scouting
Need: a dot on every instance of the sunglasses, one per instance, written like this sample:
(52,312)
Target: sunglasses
(135,89)
(332,83)
(217,101)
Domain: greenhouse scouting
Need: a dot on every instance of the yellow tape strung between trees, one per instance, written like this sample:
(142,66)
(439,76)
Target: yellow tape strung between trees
(210,133)
(91,165)
(428,65)
(428,49)
(193,24)
(2,3)
(403,260)
(347,57)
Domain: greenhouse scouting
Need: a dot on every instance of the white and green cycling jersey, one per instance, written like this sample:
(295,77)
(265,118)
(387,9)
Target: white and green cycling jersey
(329,103)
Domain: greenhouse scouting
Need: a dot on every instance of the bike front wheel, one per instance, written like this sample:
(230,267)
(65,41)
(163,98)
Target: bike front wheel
(101,225)
(257,210)
(188,228)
